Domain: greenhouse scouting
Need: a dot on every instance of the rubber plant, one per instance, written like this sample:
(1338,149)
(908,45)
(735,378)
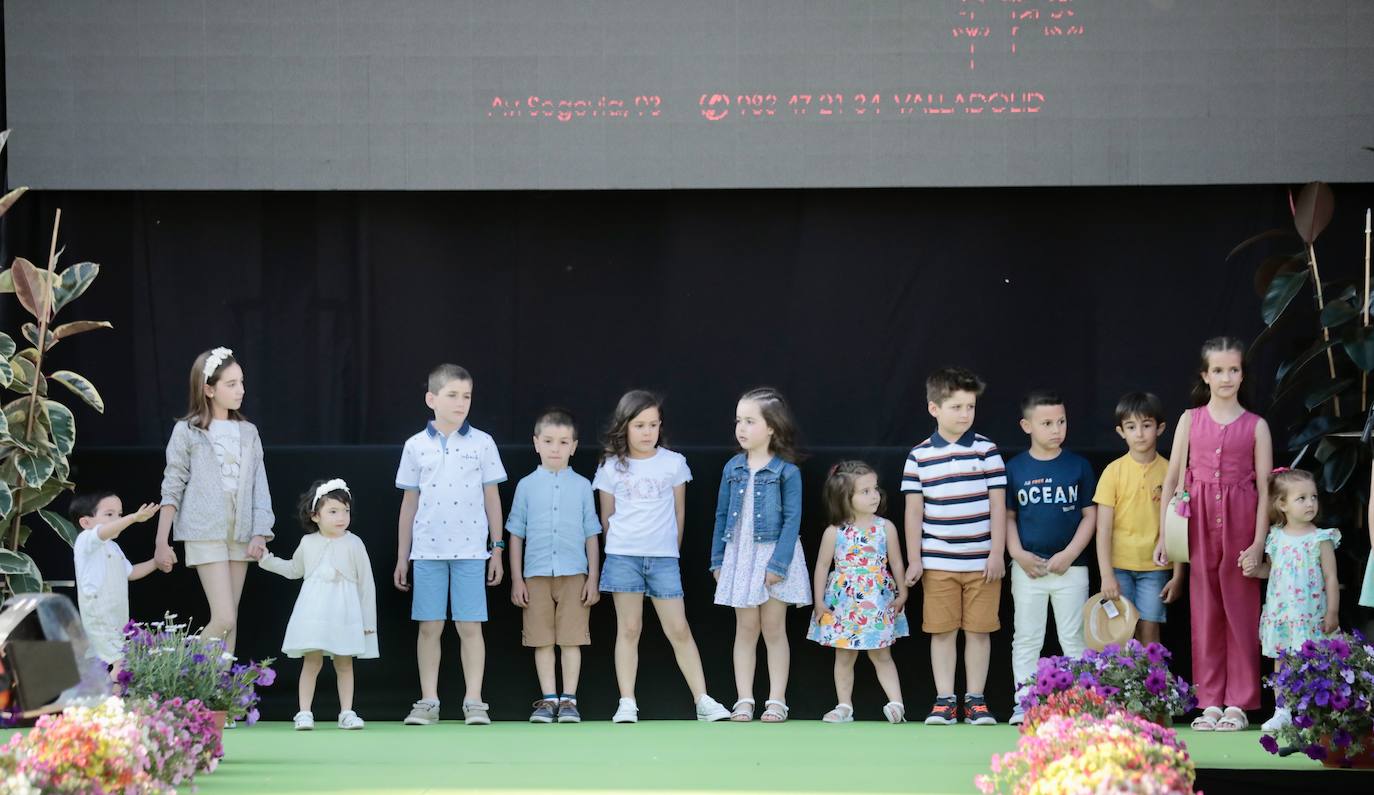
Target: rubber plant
(1330,376)
(37,433)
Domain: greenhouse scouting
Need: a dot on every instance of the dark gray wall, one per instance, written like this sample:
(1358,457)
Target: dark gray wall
(308,95)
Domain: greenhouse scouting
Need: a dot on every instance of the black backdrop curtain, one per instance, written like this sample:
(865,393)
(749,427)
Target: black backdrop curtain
(339,303)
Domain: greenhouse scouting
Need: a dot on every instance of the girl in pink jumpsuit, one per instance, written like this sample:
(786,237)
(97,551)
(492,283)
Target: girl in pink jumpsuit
(1225,448)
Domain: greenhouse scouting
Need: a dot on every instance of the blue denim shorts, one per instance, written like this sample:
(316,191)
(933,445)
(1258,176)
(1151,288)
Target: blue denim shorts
(1142,589)
(658,577)
(462,583)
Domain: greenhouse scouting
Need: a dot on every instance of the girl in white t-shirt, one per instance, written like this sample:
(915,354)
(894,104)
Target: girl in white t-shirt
(643,493)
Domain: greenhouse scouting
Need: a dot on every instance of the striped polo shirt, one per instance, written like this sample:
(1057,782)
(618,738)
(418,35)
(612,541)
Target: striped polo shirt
(953,478)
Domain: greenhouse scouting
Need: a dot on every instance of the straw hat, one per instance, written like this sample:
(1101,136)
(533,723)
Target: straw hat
(1101,627)
(1176,531)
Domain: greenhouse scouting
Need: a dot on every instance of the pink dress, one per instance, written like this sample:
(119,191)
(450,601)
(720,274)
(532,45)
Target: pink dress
(1220,481)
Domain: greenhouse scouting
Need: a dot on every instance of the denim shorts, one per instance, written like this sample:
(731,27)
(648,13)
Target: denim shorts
(659,577)
(1142,589)
(462,582)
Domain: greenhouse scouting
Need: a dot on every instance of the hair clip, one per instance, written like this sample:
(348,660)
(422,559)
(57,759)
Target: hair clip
(833,469)
(337,484)
(1279,470)
(214,360)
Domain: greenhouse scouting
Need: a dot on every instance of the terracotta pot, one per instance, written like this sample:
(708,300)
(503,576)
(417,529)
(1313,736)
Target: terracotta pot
(1336,757)
(220,717)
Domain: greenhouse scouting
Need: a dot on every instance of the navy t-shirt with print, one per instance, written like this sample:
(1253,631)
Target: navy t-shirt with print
(1048,498)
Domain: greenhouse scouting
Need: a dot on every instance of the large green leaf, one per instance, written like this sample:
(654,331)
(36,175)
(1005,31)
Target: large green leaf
(35,466)
(30,581)
(6,499)
(74,282)
(15,562)
(1339,466)
(63,425)
(30,287)
(84,389)
(7,346)
(61,526)
(42,496)
(1324,392)
(1316,428)
(6,374)
(1359,346)
(1293,366)
(1280,295)
(79,326)
(1340,309)
(1272,266)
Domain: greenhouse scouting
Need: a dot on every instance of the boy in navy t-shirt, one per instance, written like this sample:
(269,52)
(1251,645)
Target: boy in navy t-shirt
(1051,519)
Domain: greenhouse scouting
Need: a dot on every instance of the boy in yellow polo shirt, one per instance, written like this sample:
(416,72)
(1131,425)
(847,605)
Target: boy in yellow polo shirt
(1127,498)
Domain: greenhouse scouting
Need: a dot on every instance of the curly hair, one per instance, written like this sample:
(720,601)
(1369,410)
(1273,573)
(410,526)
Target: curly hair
(616,441)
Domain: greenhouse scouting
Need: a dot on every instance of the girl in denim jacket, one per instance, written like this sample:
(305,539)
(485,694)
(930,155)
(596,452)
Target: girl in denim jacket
(756,553)
(214,490)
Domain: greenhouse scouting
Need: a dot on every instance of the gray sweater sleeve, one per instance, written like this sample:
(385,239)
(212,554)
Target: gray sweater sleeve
(178,470)
(262,498)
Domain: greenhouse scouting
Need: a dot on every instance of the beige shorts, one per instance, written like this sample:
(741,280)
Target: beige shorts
(556,613)
(960,600)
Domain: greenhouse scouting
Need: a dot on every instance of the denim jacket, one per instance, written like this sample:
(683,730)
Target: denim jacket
(777,509)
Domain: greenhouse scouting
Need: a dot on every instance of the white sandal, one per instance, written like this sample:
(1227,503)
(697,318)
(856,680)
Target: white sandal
(348,719)
(842,713)
(304,720)
(1207,721)
(774,711)
(895,712)
(1233,719)
(739,714)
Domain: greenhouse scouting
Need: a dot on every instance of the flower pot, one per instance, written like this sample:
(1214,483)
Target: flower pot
(1337,757)
(220,717)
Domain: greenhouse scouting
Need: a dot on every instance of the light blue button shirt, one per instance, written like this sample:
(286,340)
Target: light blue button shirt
(555,514)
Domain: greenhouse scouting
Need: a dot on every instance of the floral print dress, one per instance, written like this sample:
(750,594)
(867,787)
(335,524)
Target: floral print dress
(859,593)
(1295,603)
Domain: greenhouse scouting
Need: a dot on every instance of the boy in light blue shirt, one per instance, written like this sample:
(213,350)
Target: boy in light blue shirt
(554,558)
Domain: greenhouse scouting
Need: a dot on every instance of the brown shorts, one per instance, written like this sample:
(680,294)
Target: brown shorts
(556,613)
(960,600)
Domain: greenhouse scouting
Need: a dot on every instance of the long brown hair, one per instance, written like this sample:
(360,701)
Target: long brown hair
(1200,393)
(1280,482)
(616,441)
(199,413)
(777,415)
(839,490)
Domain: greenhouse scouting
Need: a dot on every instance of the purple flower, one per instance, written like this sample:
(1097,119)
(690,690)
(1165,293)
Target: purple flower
(1340,647)
(1156,653)
(253,716)
(1340,702)
(1341,738)
(1086,679)
(1269,744)
(266,676)
(1156,682)
(198,658)
(1315,751)
(124,677)
(1302,721)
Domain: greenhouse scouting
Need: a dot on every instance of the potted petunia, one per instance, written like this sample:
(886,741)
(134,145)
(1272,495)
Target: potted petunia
(1328,685)
(1133,676)
(163,659)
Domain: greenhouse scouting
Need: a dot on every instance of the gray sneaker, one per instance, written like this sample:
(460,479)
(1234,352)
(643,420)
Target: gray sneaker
(423,713)
(475,713)
(567,712)
(543,711)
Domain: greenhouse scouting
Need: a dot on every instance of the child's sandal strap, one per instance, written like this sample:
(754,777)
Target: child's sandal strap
(739,713)
(775,711)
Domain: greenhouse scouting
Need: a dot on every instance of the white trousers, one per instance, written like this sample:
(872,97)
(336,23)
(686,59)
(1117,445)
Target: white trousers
(1031,598)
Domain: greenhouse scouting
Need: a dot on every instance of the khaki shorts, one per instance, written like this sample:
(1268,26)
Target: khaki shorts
(201,552)
(960,600)
(556,613)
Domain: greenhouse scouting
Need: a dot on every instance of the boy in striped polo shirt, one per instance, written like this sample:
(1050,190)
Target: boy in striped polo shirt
(955,486)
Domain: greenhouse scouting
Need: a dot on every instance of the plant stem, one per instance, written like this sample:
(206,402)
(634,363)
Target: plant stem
(1364,309)
(1326,333)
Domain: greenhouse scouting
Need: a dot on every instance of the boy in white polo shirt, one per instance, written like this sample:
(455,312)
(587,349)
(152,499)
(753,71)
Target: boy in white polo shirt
(450,525)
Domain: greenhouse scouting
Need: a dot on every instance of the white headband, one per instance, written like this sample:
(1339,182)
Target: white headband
(336,484)
(214,360)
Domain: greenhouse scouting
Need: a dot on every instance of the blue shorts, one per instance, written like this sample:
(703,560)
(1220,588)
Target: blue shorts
(462,582)
(658,577)
(1142,589)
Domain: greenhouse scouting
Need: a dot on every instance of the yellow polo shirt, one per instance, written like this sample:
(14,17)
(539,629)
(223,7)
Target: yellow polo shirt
(1133,491)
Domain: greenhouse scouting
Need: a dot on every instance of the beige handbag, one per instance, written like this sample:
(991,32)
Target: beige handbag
(1176,530)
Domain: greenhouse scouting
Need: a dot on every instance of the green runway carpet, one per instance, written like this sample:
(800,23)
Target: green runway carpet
(676,757)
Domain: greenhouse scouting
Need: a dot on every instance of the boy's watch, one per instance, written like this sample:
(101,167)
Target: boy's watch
(498,544)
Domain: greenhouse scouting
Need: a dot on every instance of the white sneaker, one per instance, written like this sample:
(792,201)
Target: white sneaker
(1282,717)
(627,712)
(1018,717)
(708,709)
(348,719)
(304,721)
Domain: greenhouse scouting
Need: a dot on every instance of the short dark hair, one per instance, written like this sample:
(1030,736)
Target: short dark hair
(306,507)
(443,374)
(83,505)
(947,380)
(556,417)
(1145,405)
(1039,397)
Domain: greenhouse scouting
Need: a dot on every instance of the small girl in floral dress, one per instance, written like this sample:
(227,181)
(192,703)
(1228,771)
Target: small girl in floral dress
(1303,598)
(859,605)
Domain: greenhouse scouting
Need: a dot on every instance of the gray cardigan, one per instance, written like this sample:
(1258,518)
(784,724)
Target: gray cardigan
(191,483)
